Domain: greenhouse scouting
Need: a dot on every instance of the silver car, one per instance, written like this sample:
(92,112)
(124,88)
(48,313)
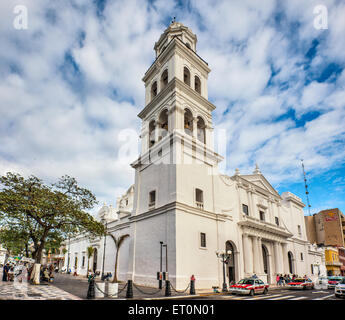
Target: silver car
(339,289)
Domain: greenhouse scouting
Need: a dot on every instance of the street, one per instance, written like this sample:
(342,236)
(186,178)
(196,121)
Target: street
(277,294)
(68,287)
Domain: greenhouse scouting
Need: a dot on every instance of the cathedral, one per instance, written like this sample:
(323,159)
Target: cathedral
(181,212)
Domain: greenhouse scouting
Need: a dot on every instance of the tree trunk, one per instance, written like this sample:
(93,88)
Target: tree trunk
(115,271)
(35,274)
(87,272)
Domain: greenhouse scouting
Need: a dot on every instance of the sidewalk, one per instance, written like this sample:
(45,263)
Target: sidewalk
(13,290)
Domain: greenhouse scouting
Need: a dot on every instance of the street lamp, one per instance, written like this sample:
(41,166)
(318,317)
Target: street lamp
(224,256)
(161,265)
(105,241)
(68,254)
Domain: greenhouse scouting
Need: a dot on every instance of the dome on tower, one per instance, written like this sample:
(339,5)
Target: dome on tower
(179,31)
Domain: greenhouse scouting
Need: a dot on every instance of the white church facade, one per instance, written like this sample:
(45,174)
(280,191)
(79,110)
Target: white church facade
(180,198)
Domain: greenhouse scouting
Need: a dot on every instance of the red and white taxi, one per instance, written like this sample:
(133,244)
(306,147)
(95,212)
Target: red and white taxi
(249,286)
(301,283)
(333,281)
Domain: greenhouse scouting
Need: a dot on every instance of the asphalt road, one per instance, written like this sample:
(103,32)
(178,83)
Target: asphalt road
(78,287)
(278,294)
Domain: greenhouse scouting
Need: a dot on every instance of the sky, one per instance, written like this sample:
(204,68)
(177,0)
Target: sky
(71,89)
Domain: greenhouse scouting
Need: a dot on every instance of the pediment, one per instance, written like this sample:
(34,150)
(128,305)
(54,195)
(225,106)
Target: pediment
(260,181)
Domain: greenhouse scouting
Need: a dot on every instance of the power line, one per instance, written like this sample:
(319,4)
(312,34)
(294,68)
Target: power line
(306,187)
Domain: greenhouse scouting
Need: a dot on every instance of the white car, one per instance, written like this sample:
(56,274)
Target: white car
(339,289)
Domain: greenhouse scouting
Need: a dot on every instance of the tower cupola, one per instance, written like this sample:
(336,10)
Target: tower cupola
(176,30)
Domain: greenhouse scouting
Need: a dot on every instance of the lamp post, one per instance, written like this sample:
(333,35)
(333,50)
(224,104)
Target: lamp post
(105,241)
(221,254)
(161,265)
(68,254)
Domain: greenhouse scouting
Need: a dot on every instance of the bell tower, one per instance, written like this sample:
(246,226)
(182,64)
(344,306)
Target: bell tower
(173,173)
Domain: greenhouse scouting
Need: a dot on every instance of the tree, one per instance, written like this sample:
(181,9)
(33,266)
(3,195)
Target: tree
(89,255)
(16,242)
(118,242)
(47,213)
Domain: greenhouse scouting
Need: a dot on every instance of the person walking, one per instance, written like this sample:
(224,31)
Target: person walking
(278,279)
(5,272)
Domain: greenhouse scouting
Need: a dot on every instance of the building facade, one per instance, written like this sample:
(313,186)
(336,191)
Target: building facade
(180,198)
(332,261)
(326,228)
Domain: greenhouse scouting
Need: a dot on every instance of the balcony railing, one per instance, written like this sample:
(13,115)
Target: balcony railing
(200,205)
(333,263)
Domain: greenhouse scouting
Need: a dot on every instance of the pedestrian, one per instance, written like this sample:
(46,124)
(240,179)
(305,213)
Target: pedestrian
(277,279)
(255,276)
(288,278)
(11,274)
(5,272)
(305,276)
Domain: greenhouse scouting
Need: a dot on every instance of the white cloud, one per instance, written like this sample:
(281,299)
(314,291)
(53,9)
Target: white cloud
(61,116)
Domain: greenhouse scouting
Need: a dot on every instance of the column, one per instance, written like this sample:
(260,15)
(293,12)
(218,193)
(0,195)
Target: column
(195,127)
(256,255)
(251,204)
(247,255)
(277,258)
(285,258)
(157,130)
(261,259)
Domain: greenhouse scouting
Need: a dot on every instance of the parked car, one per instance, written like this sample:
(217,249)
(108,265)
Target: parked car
(301,283)
(249,286)
(333,281)
(339,289)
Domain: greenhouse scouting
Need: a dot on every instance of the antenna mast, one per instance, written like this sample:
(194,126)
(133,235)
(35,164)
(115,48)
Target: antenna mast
(306,187)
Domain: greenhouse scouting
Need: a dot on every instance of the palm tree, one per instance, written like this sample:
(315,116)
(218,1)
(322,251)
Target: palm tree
(118,242)
(89,255)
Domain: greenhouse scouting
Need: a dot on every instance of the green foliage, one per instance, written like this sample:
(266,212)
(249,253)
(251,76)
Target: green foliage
(47,214)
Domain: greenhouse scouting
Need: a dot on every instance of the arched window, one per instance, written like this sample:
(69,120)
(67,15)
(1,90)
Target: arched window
(151,133)
(163,124)
(186,76)
(164,79)
(197,84)
(188,122)
(201,130)
(153,90)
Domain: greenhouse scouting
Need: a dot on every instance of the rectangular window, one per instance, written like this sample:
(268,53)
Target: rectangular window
(277,221)
(301,256)
(199,198)
(299,230)
(312,269)
(83,262)
(262,216)
(203,240)
(152,198)
(245,209)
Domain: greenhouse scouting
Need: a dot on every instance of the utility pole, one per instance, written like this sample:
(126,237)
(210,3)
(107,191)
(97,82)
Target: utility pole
(306,187)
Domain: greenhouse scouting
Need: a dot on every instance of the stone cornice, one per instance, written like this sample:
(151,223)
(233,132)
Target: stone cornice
(149,157)
(174,85)
(182,207)
(264,227)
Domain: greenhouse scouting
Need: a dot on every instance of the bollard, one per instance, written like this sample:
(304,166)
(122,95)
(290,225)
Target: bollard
(91,289)
(100,290)
(129,293)
(167,288)
(192,287)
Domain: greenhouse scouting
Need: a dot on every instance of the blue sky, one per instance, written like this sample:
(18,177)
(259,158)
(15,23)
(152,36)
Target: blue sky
(71,88)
